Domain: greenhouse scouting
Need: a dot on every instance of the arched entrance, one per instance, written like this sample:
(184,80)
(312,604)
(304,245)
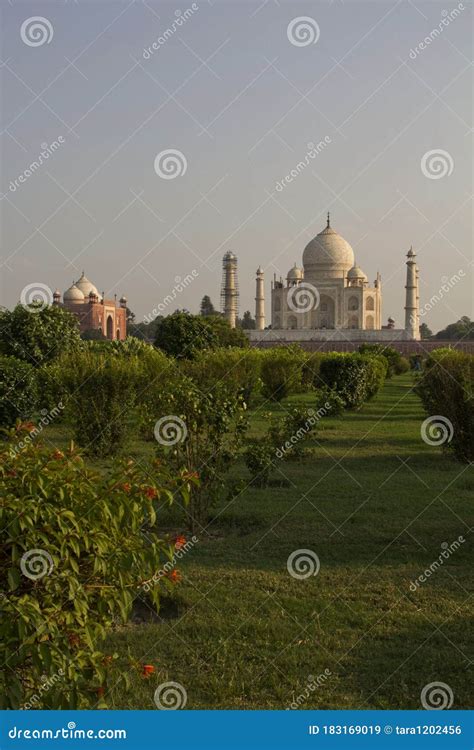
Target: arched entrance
(324,315)
(110,327)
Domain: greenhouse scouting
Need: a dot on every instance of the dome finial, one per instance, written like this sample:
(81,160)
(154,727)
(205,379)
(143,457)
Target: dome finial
(329,225)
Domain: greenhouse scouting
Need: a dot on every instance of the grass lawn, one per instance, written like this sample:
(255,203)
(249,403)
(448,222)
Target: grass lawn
(375,503)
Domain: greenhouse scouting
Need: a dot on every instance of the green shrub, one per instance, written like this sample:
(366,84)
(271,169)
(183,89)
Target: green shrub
(238,369)
(355,377)
(402,366)
(101,394)
(392,355)
(183,335)
(38,335)
(446,389)
(310,370)
(281,372)
(73,558)
(18,390)
(328,403)
(259,456)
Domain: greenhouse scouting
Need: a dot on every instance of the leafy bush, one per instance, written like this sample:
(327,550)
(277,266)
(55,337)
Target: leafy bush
(18,390)
(281,372)
(238,370)
(74,558)
(202,433)
(259,456)
(310,370)
(38,336)
(446,388)
(183,335)
(289,434)
(101,393)
(392,356)
(328,403)
(355,377)
(402,366)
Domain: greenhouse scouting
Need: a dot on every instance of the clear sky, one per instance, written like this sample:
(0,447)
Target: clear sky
(230,90)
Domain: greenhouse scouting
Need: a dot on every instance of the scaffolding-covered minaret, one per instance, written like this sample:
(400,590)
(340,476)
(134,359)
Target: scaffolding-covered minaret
(260,301)
(412,297)
(230,288)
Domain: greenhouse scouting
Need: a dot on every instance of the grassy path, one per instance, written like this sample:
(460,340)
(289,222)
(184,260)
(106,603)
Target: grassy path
(375,503)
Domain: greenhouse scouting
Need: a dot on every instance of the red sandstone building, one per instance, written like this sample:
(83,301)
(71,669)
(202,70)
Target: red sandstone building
(93,312)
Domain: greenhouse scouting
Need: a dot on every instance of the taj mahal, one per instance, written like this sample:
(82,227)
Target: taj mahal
(329,298)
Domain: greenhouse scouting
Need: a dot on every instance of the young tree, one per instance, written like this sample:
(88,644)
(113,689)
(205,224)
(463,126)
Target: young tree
(38,334)
(207,308)
(247,322)
(183,335)
(425,332)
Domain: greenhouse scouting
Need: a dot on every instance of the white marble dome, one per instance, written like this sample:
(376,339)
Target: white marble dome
(326,253)
(356,273)
(86,286)
(73,294)
(295,273)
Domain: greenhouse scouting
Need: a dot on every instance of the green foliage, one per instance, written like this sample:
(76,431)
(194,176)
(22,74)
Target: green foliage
(93,335)
(73,558)
(247,322)
(355,377)
(425,332)
(289,434)
(227,336)
(392,356)
(259,456)
(446,388)
(101,391)
(402,366)
(310,370)
(203,433)
(462,329)
(207,308)
(38,336)
(18,390)
(329,403)
(183,335)
(281,372)
(238,370)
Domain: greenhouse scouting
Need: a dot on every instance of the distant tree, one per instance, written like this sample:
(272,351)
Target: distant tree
(462,329)
(38,334)
(425,332)
(247,322)
(93,335)
(129,317)
(226,335)
(207,308)
(144,331)
(183,335)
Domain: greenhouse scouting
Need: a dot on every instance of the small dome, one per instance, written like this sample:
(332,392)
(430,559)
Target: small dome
(86,286)
(73,294)
(56,293)
(295,273)
(356,273)
(123,299)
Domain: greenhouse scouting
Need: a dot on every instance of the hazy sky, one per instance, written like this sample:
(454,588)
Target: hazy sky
(230,90)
